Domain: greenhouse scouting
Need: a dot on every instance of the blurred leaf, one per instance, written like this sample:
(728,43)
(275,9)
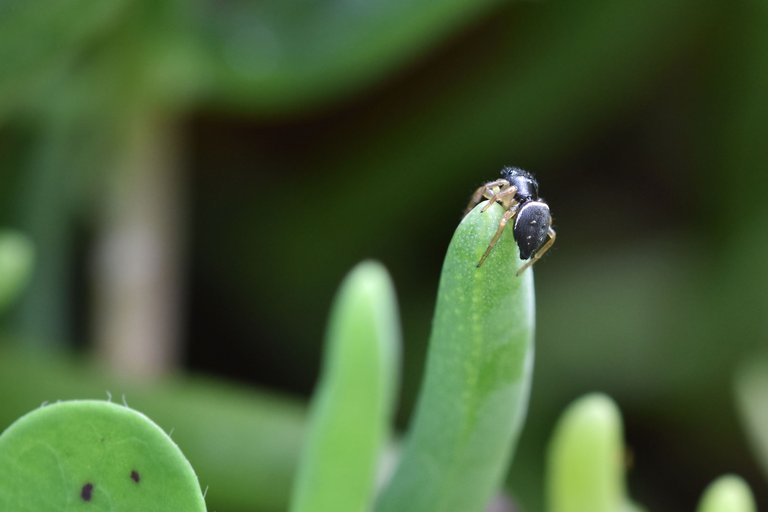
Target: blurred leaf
(112,457)
(475,390)
(16,261)
(727,494)
(243,443)
(38,40)
(279,54)
(585,462)
(511,103)
(735,121)
(352,409)
(629,506)
(752,400)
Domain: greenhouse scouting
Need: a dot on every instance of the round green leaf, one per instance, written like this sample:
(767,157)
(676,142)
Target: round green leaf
(95,456)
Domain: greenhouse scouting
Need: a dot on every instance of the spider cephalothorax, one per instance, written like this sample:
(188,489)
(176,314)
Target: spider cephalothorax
(518,192)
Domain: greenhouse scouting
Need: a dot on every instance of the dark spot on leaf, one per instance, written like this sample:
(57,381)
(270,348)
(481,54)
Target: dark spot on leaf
(87,491)
(135,476)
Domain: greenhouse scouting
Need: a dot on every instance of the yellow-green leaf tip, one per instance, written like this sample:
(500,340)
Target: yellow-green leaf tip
(729,493)
(585,466)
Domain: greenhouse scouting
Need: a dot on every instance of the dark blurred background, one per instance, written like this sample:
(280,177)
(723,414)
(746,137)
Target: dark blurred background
(198,176)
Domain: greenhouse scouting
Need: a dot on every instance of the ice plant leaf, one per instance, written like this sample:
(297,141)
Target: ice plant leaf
(475,390)
(352,407)
(728,493)
(586,458)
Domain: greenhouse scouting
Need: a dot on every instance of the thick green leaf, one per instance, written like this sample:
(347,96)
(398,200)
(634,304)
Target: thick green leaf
(728,493)
(585,467)
(475,392)
(352,408)
(93,455)
(16,256)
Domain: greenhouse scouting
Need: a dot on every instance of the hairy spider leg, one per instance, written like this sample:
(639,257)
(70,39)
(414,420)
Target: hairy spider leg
(544,248)
(482,191)
(502,195)
(508,215)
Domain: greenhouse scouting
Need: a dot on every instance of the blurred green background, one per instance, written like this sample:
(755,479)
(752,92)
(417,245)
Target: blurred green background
(196,178)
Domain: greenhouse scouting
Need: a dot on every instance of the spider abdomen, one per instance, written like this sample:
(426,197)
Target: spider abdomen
(532,224)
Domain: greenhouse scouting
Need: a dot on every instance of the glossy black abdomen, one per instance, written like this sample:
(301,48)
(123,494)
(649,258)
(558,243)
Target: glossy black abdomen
(531,227)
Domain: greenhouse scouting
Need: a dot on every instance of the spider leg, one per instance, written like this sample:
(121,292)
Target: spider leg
(544,248)
(502,196)
(508,215)
(484,191)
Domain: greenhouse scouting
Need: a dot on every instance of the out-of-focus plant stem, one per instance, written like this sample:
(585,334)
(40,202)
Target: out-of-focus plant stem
(138,261)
